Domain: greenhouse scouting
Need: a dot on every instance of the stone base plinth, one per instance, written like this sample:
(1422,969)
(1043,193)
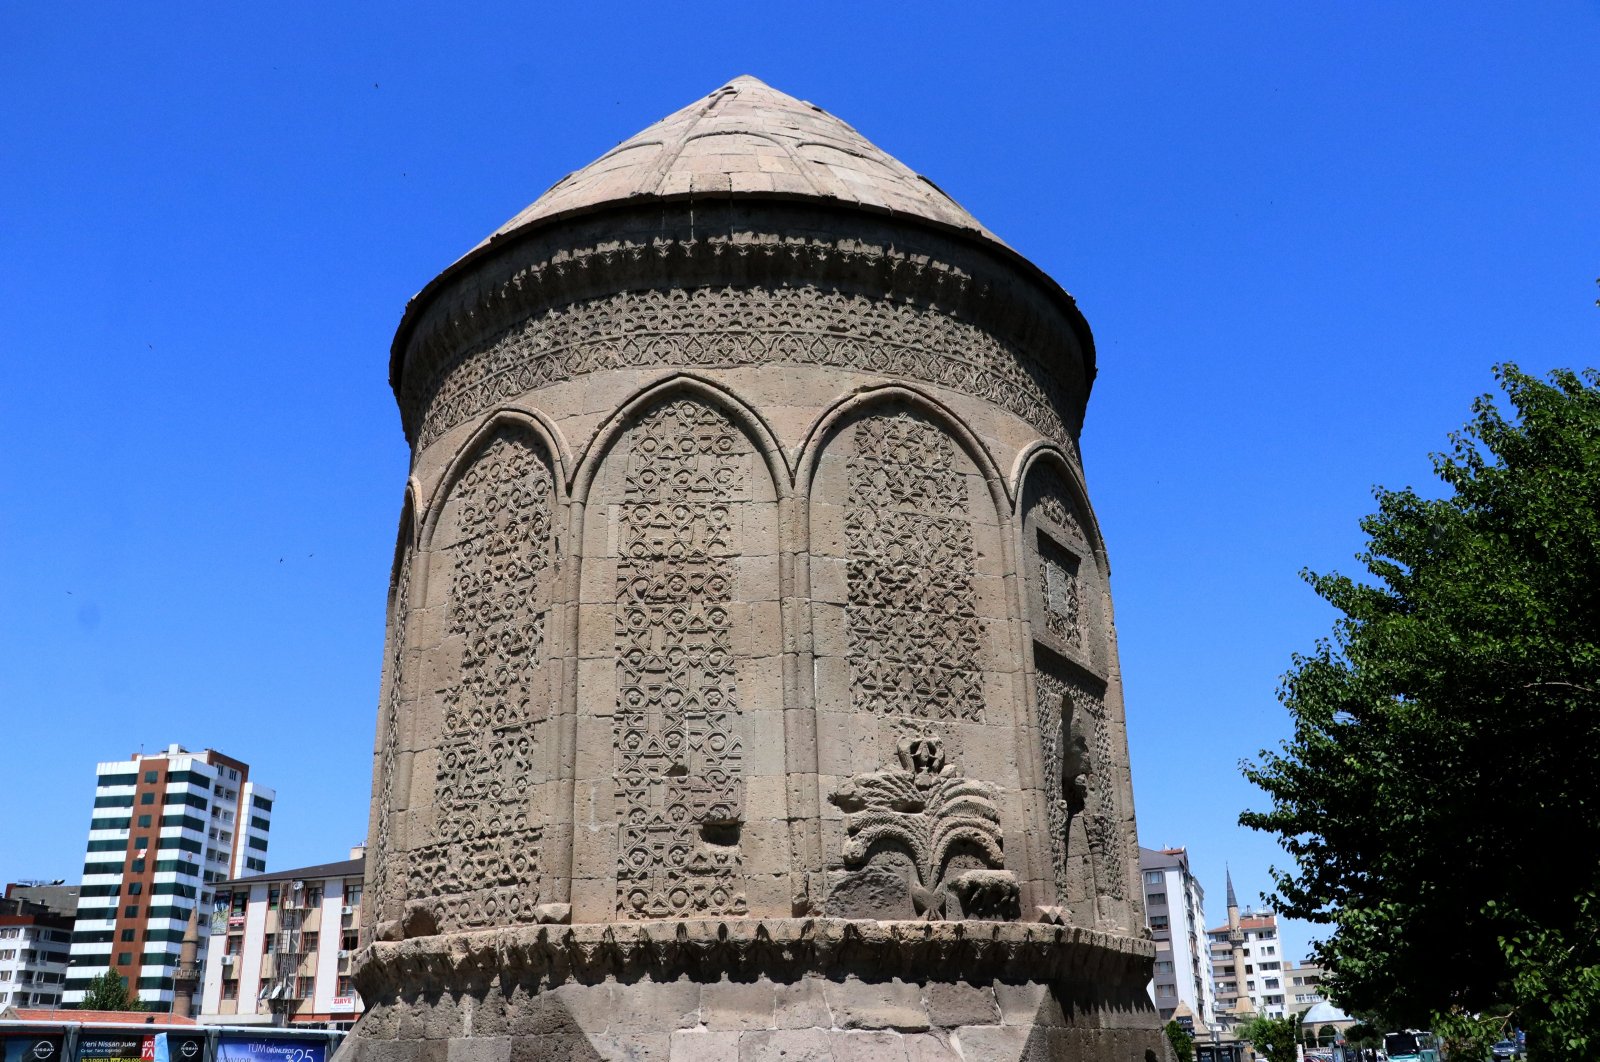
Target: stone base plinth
(779,989)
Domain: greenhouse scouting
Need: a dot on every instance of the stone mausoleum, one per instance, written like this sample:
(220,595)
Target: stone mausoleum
(751,689)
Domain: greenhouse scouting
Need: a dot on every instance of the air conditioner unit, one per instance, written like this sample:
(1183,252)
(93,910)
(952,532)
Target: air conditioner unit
(227,960)
(348,909)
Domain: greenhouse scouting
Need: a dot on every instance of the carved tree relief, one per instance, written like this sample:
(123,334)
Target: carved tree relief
(938,831)
(484,867)
(678,774)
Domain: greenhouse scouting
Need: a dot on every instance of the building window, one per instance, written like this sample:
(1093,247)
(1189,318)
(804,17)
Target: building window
(127,936)
(1158,921)
(272,898)
(124,958)
(144,822)
(312,939)
(131,911)
(1158,899)
(230,990)
(147,798)
(1152,877)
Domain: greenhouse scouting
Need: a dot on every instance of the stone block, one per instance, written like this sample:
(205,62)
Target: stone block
(1028,1004)
(928,1047)
(952,1004)
(479,1049)
(658,1006)
(785,1045)
(738,1005)
(801,1005)
(857,1004)
(867,1047)
(998,1043)
(871,892)
(703,1045)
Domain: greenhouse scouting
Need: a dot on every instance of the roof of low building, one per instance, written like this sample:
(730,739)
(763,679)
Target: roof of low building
(117,1017)
(348,868)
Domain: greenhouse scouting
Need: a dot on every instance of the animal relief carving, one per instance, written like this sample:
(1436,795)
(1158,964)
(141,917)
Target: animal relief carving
(937,831)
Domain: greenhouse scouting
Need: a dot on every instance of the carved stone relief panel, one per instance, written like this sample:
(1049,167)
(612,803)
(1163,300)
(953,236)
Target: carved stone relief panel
(496,542)
(731,327)
(912,614)
(1082,786)
(384,896)
(1083,774)
(679,742)
(923,838)
(1061,576)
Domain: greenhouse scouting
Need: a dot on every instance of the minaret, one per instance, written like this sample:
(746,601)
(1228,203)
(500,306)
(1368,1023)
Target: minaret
(186,978)
(1243,1006)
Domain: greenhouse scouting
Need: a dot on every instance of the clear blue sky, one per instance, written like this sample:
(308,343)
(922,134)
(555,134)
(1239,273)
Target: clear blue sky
(1301,232)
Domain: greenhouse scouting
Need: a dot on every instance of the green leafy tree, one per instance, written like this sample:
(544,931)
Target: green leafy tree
(1440,796)
(1182,1042)
(109,991)
(1274,1039)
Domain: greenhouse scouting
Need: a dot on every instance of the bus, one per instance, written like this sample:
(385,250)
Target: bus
(1410,1046)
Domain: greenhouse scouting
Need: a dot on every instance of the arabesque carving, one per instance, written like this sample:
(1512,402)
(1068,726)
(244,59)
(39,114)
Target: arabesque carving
(924,819)
(911,616)
(383,895)
(679,753)
(731,327)
(484,867)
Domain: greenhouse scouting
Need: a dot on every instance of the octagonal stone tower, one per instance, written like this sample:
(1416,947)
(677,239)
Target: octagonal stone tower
(751,689)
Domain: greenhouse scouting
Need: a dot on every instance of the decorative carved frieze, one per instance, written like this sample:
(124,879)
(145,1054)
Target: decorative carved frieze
(912,620)
(728,327)
(483,868)
(679,752)
(932,827)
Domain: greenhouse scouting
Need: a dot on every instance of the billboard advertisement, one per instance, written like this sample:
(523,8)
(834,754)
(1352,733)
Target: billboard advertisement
(32,1048)
(263,1049)
(97,1046)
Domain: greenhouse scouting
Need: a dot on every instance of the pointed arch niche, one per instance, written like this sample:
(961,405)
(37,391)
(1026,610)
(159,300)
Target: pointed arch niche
(680,795)
(1068,608)
(390,763)
(483,687)
(913,632)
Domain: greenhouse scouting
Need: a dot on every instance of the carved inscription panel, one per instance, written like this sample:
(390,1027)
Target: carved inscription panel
(679,745)
(496,542)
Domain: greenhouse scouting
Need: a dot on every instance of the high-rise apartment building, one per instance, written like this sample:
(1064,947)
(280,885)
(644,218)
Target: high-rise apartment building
(1247,964)
(1174,905)
(166,827)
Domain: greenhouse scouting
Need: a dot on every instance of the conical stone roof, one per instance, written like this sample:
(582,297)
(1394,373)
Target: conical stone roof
(747,139)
